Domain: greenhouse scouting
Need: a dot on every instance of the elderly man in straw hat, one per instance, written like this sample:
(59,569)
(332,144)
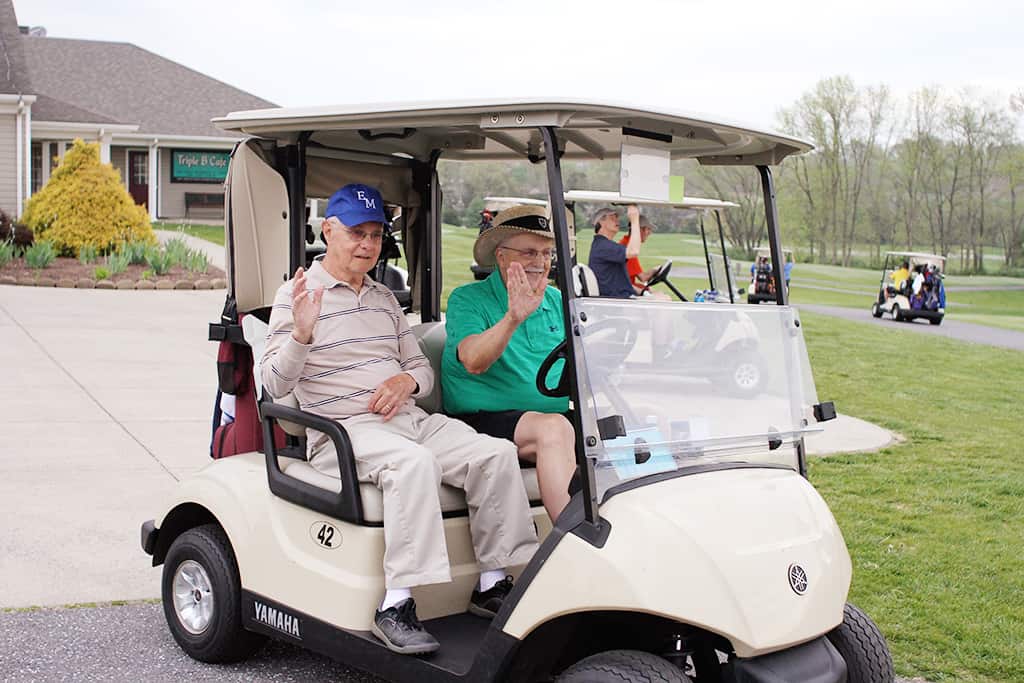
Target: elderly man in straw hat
(499,331)
(340,341)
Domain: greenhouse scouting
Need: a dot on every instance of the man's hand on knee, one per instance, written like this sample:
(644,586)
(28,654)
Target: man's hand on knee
(392,394)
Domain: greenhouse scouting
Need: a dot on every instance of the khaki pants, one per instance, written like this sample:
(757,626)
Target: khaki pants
(407,458)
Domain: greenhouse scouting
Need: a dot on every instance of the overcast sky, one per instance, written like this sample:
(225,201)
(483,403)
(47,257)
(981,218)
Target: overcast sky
(741,60)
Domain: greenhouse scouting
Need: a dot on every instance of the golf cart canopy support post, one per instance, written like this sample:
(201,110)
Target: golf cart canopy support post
(556,196)
(707,255)
(296,182)
(725,256)
(774,239)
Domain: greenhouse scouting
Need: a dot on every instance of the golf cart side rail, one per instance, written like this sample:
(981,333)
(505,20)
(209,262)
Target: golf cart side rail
(345,505)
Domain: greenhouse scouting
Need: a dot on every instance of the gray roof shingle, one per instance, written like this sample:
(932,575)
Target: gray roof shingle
(13,72)
(120,82)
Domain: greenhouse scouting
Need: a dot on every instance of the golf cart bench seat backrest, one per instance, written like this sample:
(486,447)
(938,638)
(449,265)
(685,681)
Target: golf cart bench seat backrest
(431,337)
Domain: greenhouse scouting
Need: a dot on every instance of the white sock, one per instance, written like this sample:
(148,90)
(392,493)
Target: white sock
(489,578)
(393,596)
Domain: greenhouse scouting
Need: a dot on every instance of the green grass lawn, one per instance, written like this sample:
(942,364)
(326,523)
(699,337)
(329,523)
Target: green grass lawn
(935,526)
(210,233)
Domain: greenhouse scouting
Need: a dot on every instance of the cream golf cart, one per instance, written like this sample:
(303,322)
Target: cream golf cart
(695,548)
(919,293)
(762,275)
(721,283)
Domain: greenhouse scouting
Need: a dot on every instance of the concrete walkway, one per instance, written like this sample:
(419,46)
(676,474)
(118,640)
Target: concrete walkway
(107,402)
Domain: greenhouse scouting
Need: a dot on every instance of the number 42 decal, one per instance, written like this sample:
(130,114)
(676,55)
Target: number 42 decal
(325,534)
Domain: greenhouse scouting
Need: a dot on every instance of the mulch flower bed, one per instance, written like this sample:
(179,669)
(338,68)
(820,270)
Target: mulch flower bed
(70,272)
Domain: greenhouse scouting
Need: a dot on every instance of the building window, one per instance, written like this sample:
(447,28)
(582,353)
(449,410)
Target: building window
(37,167)
(139,169)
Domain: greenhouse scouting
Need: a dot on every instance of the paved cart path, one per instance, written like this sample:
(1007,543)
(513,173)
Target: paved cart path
(951,328)
(132,643)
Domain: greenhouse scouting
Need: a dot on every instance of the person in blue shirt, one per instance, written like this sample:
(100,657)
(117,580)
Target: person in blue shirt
(608,257)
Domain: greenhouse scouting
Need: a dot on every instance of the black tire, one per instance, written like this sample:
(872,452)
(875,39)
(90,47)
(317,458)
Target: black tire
(876,310)
(897,314)
(935,321)
(863,647)
(623,666)
(222,638)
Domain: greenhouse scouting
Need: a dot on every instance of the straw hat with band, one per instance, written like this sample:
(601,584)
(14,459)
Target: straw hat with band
(517,220)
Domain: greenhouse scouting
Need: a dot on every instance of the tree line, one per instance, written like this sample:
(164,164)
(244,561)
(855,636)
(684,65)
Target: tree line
(934,171)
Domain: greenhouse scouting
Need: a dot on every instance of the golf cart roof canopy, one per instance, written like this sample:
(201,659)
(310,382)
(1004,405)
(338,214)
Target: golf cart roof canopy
(765,251)
(601,197)
(496,129)
(517,200)
(917,255)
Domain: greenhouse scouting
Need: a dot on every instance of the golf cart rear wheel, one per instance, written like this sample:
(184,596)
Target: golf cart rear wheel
(935,321)
(623,666)
(202,597)
(863,647)
(746,376)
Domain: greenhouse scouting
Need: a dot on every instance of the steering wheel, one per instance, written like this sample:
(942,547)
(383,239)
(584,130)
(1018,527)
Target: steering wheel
(660,275)
(562,388)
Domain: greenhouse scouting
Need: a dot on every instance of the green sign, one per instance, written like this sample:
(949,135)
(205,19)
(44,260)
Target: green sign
(199,166)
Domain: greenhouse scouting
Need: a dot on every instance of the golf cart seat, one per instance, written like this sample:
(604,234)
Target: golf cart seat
(297,481)
(584,281)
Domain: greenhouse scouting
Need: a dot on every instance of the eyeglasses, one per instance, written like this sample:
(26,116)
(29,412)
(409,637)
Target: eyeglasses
(357,235)
(531,254)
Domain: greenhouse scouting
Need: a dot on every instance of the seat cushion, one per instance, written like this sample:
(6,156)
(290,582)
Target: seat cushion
(431,337)
(453,501)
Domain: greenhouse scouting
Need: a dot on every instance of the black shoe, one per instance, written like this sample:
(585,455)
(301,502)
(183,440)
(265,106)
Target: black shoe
(488,603)
(401,631)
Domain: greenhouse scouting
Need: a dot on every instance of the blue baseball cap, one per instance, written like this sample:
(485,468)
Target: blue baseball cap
(355,204)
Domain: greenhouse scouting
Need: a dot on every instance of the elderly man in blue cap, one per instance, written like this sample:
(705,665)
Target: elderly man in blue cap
(341,343)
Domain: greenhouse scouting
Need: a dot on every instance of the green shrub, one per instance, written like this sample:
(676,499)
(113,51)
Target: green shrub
(117,263)
(146,274)
(159,260)
(101,273)
(40,255)
(135,251)
(87,254)
(6,253)
(177,249)
(196,261)
(85,202)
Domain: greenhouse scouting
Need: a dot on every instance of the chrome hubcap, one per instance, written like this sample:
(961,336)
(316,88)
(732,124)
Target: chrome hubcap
(747,375)
(193,596)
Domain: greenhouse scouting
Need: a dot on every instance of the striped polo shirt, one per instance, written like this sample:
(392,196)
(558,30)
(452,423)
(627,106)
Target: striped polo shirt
(360,340)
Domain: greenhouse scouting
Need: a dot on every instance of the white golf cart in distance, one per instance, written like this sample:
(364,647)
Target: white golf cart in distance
(695,549)
(720,277)
(900,300)
(763,275)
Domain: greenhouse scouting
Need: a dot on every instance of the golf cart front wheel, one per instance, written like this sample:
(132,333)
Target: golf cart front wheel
(746,375)
(623,666)
(897,314)
(876,310)
(202,597)
(863,647)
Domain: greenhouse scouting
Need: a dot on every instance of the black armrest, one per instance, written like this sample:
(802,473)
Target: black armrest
(346,505)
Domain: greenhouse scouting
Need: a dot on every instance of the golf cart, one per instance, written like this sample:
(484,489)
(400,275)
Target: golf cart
(762,278)
(721,287)
(912,297)
(695,548)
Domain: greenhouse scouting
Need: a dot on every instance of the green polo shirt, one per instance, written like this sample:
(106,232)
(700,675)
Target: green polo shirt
(510,383)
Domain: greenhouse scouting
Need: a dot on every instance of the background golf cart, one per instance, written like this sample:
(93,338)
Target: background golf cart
(896,301)
(762,280)
(757,569)
(720,277)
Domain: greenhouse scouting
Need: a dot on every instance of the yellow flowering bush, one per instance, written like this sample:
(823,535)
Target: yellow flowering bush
(85,203)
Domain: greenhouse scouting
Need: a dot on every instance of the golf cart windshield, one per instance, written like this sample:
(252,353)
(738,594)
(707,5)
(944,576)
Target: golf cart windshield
(673,386)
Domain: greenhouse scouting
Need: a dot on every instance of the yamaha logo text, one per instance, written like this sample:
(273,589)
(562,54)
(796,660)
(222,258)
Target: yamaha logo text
(278,620)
